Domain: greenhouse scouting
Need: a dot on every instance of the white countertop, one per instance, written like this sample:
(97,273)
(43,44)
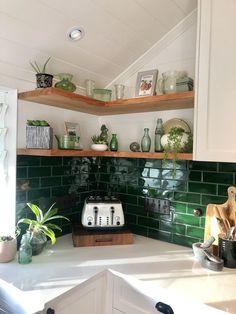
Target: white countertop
(60,267)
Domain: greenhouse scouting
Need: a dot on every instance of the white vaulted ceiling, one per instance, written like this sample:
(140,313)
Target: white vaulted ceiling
(117,33)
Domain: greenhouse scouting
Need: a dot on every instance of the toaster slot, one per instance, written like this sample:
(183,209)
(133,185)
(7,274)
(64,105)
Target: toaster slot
(95,209)
(112,209)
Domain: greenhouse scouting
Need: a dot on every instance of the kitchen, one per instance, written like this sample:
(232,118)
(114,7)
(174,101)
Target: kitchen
(204,181)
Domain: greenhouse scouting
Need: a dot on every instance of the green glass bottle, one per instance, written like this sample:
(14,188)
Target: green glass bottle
(25,250)
(146,141)
(114,143)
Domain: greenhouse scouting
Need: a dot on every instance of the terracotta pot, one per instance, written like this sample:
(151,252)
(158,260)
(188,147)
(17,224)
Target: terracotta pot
(7,250)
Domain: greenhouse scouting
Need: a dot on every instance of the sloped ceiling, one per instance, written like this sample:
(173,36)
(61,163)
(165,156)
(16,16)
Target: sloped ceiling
(117,32)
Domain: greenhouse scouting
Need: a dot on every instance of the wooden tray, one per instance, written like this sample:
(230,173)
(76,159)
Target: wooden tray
(84,237)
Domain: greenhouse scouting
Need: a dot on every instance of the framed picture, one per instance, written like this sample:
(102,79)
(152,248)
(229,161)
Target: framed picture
(146,83)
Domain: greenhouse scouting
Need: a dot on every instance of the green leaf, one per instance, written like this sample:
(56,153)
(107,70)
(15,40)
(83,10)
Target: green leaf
(45,64)
(53,226)
(37,211)
(51,212)
(58,217)
(50,233)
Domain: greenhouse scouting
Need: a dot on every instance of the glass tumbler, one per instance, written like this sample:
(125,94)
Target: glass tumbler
(119,91)
(89,86)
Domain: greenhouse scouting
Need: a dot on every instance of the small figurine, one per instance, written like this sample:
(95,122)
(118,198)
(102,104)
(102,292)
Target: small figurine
(104,134)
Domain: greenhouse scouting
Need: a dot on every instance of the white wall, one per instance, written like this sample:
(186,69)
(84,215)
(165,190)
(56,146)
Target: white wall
(88,124)
(178,55)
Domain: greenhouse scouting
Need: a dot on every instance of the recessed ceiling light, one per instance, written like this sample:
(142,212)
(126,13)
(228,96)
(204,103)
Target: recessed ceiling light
(76,33)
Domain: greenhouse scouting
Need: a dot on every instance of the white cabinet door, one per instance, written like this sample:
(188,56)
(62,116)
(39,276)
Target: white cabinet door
(87,298)
(215,101)
(129,301)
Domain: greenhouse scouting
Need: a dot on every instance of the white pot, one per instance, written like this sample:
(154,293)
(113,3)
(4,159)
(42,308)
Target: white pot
(184,140)
(99,147)
(7,250)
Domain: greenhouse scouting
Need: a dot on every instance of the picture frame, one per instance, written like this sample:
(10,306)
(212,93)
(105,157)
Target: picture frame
(146,83)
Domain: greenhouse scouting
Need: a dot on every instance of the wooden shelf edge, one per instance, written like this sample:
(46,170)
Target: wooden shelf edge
(90,153)
(56,97)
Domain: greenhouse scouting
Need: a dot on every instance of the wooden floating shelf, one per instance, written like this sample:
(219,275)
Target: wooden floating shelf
(91,153)
(58,98)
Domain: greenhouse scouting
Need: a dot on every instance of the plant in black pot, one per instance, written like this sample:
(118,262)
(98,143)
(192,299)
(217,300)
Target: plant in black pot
(43,79)
(41,227)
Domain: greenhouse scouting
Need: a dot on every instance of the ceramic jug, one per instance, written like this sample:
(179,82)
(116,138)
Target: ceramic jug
(167,84)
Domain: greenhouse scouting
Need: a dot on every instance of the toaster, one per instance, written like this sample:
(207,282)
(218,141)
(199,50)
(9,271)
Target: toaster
(102,213)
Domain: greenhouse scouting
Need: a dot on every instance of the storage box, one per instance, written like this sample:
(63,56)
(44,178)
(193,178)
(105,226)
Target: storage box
(39,137)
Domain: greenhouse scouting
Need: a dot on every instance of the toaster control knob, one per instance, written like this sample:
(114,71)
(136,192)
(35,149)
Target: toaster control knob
(89,223)
(118,223)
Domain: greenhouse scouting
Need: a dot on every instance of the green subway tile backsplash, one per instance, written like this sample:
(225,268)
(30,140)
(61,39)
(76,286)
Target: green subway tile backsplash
(68,181)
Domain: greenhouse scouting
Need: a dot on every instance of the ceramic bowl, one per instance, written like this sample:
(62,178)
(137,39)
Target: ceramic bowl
(99,147)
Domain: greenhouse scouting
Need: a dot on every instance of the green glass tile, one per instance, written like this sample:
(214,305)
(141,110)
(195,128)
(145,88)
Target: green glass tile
(28,161)
(195,176)
(145,172)
(60,191)
(141,230)
(136,190)
(187,219)
(50,181)
(195,232)
(38,193)
(215,177)
(130,199)
(151,182)
(210,199)
(105,177)
(135,209)
(222,190)
(179,229)
(191,207)
(67,161)
(21,172)
(166,226)
(20,196)
(130,219)
(141,201)
(180,174)
(179,207)
(148,222)
(187,197)
(202,188)
(26,184)
(59,171)
(153,163)
(159,235)
(185,241)
(202,165)
(51,161)
(227,167)
(175,185)
(39,172)
(203,222)
(155,173)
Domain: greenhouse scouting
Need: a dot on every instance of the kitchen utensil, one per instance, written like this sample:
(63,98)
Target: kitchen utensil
(226,215)
(212,257)
(206,263)
(207,243)
(227,251)
(102,213)
(230,232)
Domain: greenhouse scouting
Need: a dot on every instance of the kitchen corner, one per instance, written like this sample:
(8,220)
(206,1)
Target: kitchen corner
(173,267)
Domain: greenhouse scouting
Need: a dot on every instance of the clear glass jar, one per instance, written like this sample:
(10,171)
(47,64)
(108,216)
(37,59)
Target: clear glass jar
(65,82)
(25,250)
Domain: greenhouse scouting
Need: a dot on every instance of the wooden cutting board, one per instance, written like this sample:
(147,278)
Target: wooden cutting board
(84,237)
(222,211)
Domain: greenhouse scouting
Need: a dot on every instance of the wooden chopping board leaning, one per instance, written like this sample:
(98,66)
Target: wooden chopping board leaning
(221,219)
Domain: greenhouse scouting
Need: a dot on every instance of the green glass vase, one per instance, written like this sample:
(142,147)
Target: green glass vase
(146,141)
(114,143)
(65,82)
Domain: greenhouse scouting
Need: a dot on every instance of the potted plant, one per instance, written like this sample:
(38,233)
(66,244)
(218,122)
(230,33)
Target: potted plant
(100,142)
(41,227)
(8,246)
(176,141)
(43,79)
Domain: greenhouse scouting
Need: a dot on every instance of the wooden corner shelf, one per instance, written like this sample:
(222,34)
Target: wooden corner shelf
(90,153)
(58,98)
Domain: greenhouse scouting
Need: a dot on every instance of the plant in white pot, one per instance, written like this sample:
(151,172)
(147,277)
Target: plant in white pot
(43,79)
(98,143)
(41,227)
(8,247)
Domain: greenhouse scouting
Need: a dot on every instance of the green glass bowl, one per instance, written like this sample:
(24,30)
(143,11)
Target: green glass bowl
(102,94)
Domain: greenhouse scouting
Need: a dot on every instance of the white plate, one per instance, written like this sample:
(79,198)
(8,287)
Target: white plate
(175,123)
